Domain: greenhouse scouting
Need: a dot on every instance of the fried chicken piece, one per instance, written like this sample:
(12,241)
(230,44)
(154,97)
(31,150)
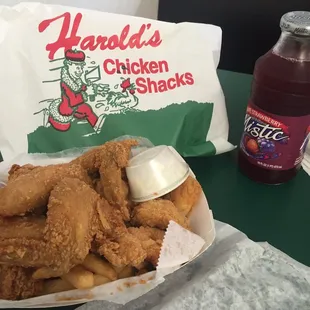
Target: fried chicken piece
(23,252)
(151,241)
(113,218)
(67,234)
(68,231)
(92,160)
(41,211)
(110,159)
(152,251)
(158,213)
(99,189)
(122,251)
(17,170)
(101,222)
(97,186)
(17,283)
(31,228)
(22,240)
(116,244)
(186,195)
(145,233)
(115,189)
(31,190)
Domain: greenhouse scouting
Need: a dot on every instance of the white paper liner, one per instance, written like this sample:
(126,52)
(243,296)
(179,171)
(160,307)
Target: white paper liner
(120,291)
(179,248)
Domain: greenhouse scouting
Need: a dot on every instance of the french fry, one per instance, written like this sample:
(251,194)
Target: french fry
(44,273)
(100,267)
(99,280)
(127,272)
(56,286)
(80,278)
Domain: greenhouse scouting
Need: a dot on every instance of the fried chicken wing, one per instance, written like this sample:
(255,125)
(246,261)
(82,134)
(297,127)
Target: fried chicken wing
(110,159)
(23,252)
(115,189)
(17,283)
(144,233)
(22,240)
(186,195)
(31,228)
(154,213)
(151,240)
(92,160)
(17,170)
(125,193)
(118,246)
(122,251)
(158,213)
(66,237)
(31,190)
(113,218)
(70,217)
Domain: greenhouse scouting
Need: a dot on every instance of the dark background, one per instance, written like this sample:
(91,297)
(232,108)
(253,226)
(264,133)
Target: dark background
(250,28)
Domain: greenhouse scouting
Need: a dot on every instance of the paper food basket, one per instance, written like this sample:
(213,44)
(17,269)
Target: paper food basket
(179,247)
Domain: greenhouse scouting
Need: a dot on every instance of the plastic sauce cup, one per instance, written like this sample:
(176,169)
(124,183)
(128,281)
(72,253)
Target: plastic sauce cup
(155,172)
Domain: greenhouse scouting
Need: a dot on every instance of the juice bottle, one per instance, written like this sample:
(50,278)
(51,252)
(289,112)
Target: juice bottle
(277,121)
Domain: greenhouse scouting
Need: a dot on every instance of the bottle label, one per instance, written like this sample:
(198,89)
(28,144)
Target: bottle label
(272,141)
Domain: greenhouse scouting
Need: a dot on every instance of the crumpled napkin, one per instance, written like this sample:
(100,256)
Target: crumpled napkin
(236,273)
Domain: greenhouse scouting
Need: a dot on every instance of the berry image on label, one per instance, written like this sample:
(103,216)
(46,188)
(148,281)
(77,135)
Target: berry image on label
(252,146)
(266,145)
(260,148)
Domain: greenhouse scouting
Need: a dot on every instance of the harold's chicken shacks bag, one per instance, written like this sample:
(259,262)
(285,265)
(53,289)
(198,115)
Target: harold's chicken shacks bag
(74,78)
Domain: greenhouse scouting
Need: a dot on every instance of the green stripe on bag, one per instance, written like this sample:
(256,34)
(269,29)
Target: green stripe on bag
(183,126)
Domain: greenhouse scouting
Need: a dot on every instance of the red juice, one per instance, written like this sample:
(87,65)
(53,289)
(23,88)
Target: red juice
(277,122)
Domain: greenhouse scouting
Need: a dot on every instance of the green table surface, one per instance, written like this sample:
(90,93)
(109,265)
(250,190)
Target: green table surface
(278,214)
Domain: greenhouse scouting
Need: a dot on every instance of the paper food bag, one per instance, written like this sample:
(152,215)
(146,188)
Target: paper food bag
(142,8)
(179,247)
(74,77)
